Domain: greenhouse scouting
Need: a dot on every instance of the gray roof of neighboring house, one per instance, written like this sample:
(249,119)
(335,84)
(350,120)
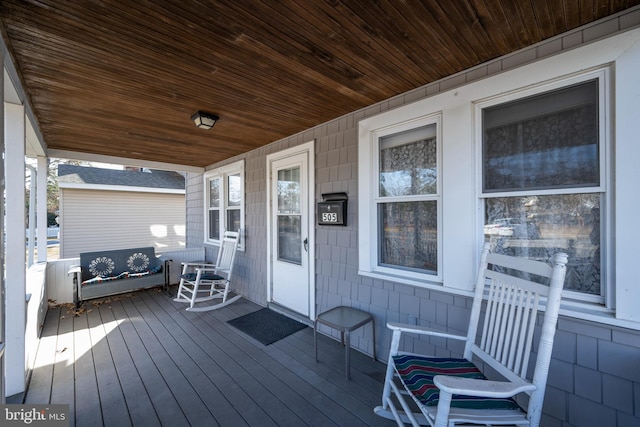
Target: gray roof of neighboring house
(72,174)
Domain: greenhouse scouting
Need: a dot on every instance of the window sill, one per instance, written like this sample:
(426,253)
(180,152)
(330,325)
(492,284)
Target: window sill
(433,284)
(595,313)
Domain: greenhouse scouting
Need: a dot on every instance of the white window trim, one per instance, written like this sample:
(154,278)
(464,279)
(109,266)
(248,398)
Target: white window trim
(464,240)
(370,132)
(603,75)
(221,173)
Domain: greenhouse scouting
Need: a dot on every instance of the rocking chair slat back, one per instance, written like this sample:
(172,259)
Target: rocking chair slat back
(227,255)
(509,324)
(512,304)
(509,293)
(521,264)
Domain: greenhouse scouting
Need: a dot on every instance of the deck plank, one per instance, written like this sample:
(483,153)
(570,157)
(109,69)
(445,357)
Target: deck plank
(140,407)
(281,357)
(42,374)
(143,360)
(88,410)
(63,385)
(166,407)
(217,388)
(184,394)
(264,407)
(112,403)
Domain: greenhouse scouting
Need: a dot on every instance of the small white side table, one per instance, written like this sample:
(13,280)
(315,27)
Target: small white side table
(344,319)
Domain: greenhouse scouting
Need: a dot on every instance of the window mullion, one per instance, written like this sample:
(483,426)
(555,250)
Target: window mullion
(229,207)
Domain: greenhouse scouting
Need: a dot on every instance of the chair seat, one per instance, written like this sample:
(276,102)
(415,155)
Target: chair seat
(417,372)
(190,277)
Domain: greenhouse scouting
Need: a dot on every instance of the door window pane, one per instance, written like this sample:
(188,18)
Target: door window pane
(409,235)
(289,191)
(289,220)
(289,239)
(543,142)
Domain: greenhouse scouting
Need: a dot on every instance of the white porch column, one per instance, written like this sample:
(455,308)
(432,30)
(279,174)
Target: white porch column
(32,215)
(2,264)
(41,203)
(15,360)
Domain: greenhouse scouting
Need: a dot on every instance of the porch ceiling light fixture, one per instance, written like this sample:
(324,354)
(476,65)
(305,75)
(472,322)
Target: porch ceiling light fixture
(204,120)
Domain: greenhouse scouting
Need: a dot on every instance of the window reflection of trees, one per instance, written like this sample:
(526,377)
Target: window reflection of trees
(289,238)
(549,141)
(289,220)
(537,227)
(289,190)
(408,230)
(409,235)
(557,150)
(409,169)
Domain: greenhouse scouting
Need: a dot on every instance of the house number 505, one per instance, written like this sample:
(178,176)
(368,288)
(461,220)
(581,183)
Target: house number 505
(329,217)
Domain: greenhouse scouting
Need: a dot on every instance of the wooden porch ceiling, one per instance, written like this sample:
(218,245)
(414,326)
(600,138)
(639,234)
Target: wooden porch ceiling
(122,78)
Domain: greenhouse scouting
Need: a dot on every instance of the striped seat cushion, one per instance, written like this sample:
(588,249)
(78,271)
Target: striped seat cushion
(417,373)
(207,276)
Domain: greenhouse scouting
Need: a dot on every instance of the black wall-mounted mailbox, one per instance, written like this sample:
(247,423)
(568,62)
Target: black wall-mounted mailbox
(333,209)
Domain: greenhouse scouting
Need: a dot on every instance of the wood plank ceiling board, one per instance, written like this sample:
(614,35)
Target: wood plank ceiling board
(122,78)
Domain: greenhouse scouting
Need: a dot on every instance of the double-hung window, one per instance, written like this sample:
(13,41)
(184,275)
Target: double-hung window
(400,225)
(544,178)
(224,202)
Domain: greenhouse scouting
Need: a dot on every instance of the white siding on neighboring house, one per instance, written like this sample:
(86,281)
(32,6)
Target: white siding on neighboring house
(93,220)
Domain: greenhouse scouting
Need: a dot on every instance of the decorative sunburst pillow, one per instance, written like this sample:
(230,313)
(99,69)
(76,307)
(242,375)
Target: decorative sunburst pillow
(102,267)
(138,262)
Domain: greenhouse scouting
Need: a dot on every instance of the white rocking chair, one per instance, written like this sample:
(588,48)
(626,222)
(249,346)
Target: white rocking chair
(210,280)
(444,392)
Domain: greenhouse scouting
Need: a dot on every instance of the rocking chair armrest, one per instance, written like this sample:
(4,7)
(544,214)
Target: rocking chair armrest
(479,387)
(205,269)
(74,269)
(423,330)
(197,264)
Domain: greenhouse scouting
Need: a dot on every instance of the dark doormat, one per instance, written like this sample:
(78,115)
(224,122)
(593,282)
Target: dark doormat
(266,325)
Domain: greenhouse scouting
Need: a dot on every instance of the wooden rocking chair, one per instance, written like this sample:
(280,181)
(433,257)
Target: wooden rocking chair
(444,392)
(210,280)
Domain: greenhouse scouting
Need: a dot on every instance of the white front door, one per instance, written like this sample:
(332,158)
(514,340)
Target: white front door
(291,211)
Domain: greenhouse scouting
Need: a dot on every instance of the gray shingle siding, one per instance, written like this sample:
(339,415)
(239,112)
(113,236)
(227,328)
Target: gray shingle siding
(595,370)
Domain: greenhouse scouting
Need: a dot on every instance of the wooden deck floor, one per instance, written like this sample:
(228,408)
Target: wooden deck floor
(143,360)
